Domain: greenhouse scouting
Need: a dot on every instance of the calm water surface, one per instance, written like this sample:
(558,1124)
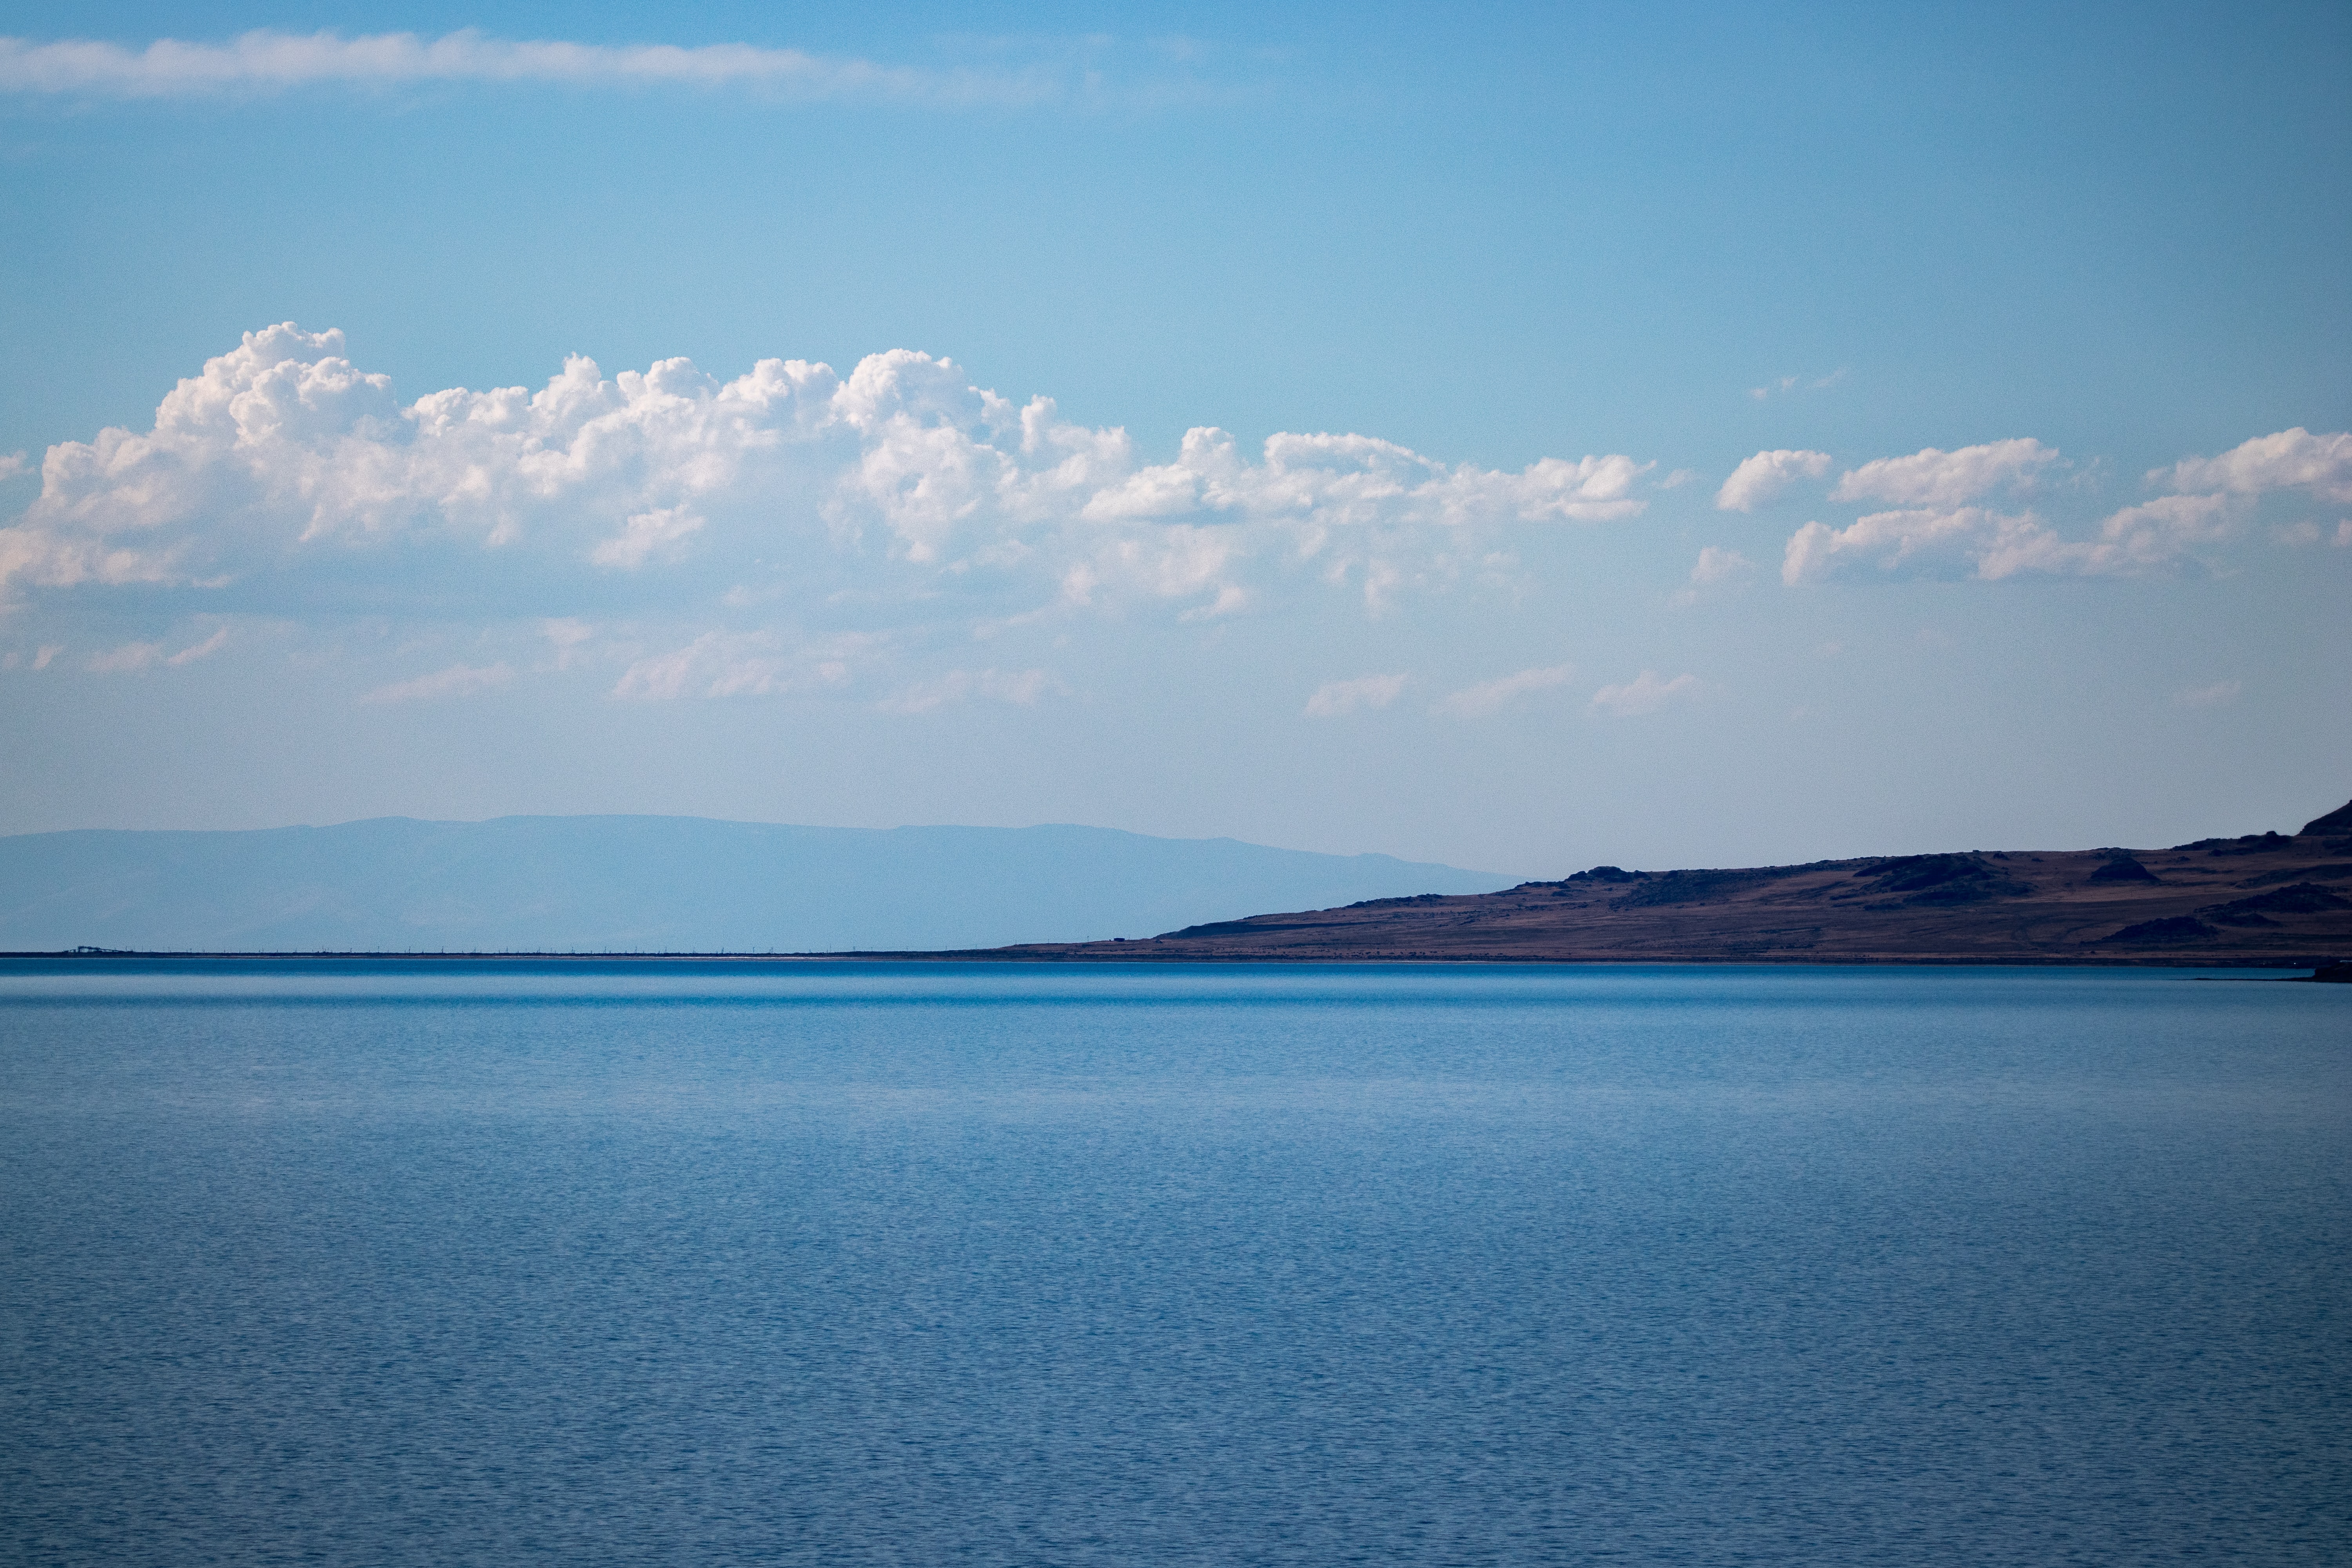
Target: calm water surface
(1010,1265)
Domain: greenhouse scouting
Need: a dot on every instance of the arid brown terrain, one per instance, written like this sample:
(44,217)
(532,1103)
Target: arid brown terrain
(2268,898)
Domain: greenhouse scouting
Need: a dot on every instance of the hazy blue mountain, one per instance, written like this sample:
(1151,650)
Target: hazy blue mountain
(656,883)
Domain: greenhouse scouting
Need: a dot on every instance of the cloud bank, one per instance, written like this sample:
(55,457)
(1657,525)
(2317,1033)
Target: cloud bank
(799,513)
(1947,536)
(266,61)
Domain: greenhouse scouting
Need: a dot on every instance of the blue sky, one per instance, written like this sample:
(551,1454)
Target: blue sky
(2011,291)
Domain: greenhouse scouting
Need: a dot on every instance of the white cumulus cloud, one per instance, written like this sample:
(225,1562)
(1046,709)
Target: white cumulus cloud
(267,62)
(1490,696)
(1645,693)
(1765,476)
(1977,542)
(2291,459)
(1336,698)
(1915,542)
(900,490)
(1932,477)
(2143,538)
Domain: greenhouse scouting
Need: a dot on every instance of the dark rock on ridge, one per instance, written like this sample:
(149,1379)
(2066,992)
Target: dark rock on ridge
(2126,869)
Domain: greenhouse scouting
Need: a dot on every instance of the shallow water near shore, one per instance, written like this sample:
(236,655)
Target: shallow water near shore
(516,1263)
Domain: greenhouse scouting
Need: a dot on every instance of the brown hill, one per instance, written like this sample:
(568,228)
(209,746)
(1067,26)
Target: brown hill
(2266,899)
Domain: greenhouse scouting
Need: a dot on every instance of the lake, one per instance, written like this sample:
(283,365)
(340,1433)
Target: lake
(515,1264)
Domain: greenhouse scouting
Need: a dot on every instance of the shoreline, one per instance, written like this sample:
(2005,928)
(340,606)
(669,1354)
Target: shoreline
(1016,956)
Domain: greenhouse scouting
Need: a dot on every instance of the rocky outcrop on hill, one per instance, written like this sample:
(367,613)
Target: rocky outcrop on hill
(2337,821)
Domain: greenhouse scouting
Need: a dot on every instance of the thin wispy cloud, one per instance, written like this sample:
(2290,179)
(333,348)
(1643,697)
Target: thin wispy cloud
(2210,696)
(1022,688)
(204,649)
(458,681)
(761,662)
(137,656)
(1782,385)
(130,656)
(266,61)
(1493,696)
(1337,699)
(1645,693)
(1717,565)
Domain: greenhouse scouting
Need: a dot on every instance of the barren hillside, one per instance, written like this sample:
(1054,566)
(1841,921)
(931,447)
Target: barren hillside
(2265,899)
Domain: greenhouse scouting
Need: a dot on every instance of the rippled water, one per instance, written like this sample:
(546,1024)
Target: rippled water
(1016,1265)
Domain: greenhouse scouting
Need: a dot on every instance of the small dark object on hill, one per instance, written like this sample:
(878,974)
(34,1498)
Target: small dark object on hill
(1604,874)
(2126,869)
(2176,928)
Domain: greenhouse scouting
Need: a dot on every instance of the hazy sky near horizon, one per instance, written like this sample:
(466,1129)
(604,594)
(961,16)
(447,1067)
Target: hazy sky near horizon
(1521,437)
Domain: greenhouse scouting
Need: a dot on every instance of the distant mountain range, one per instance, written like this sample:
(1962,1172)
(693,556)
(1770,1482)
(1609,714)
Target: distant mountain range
(653,884)
(2265,898)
